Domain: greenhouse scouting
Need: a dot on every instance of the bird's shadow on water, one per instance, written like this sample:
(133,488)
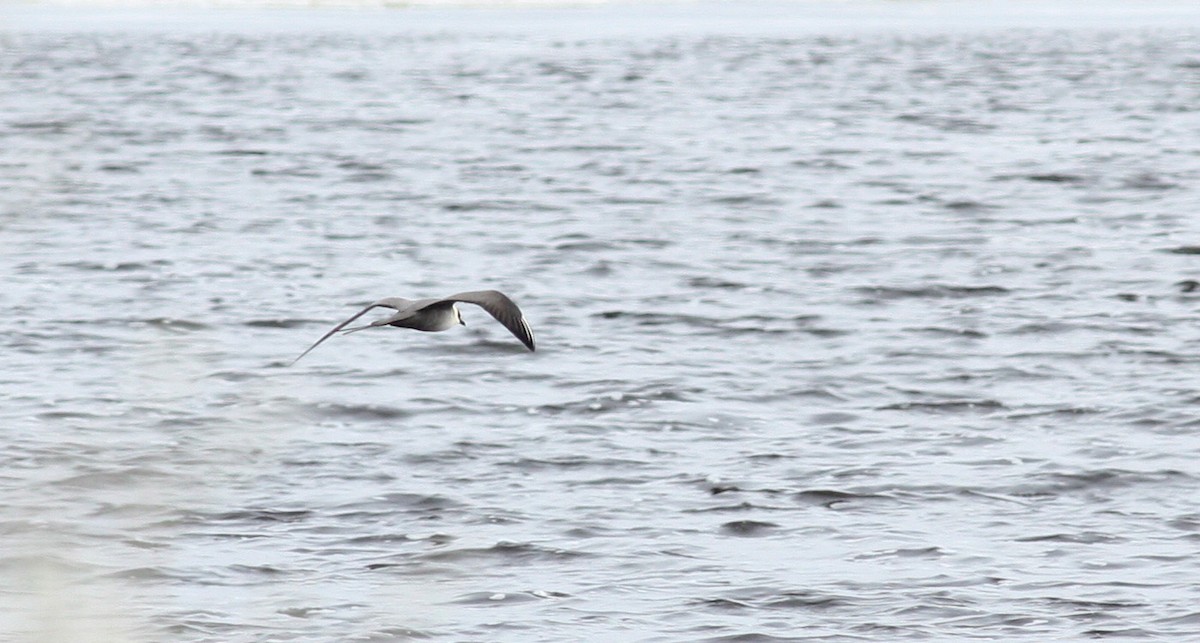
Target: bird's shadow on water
(480,347)
(484,347)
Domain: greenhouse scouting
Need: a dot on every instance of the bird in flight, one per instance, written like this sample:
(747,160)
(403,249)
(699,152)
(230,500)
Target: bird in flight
(433,315)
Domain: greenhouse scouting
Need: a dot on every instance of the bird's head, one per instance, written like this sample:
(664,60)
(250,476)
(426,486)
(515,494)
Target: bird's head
(458,313)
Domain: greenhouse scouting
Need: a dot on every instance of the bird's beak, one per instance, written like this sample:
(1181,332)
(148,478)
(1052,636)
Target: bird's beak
(462,321)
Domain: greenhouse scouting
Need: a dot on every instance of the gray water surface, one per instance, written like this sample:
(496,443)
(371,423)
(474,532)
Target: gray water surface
(857,335)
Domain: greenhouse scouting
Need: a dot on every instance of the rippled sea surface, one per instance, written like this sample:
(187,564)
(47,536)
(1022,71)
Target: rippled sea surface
(844,335)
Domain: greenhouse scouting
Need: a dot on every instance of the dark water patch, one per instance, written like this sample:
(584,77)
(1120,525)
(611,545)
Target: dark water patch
(715,283)
(748,527)
(722,604)
(797,393)
(398,634)
(720,488)
(506,553)
(569,72)
(368,177)
(909,552)
(120,168)
(508,248)
(494,341)
(500,205)
(1183,250)
(262,516)
(600,269)
(64,414)
(441,456)
(952,124)
(1149,182)
(1082,538)
(1057,484)
(399,502)
(214,75)
(613,481)
(45,126)
(821,164)
(825,204)
(258,570)
(944,241)
(583,147)
(894,185)
(1055,178)
(237,536)
(653,243)
(937,331)
(967,205)
(1189,522)
(1119,633)
(1063,411)
(345,236)
(807,245)
(376,539)
(587,244)
(745,199)
(937,291)
(803,600)
(295,171)
(378,125)
(279,323)
(833,417)
(351,76)
(1097,605)
(1190,621)
(1044,177)
(573,462)
(241,152)
(116,266)
(751,637)
(168,323)
(834,499)
(1044,328)
(631,200)
(360,411)
(949,406)
(191,628)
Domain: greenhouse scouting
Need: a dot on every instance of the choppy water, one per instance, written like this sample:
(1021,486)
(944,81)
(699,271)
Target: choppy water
(849,336)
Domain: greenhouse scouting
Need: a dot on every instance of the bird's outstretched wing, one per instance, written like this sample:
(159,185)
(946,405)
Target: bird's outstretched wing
(498,305)
(382,303)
